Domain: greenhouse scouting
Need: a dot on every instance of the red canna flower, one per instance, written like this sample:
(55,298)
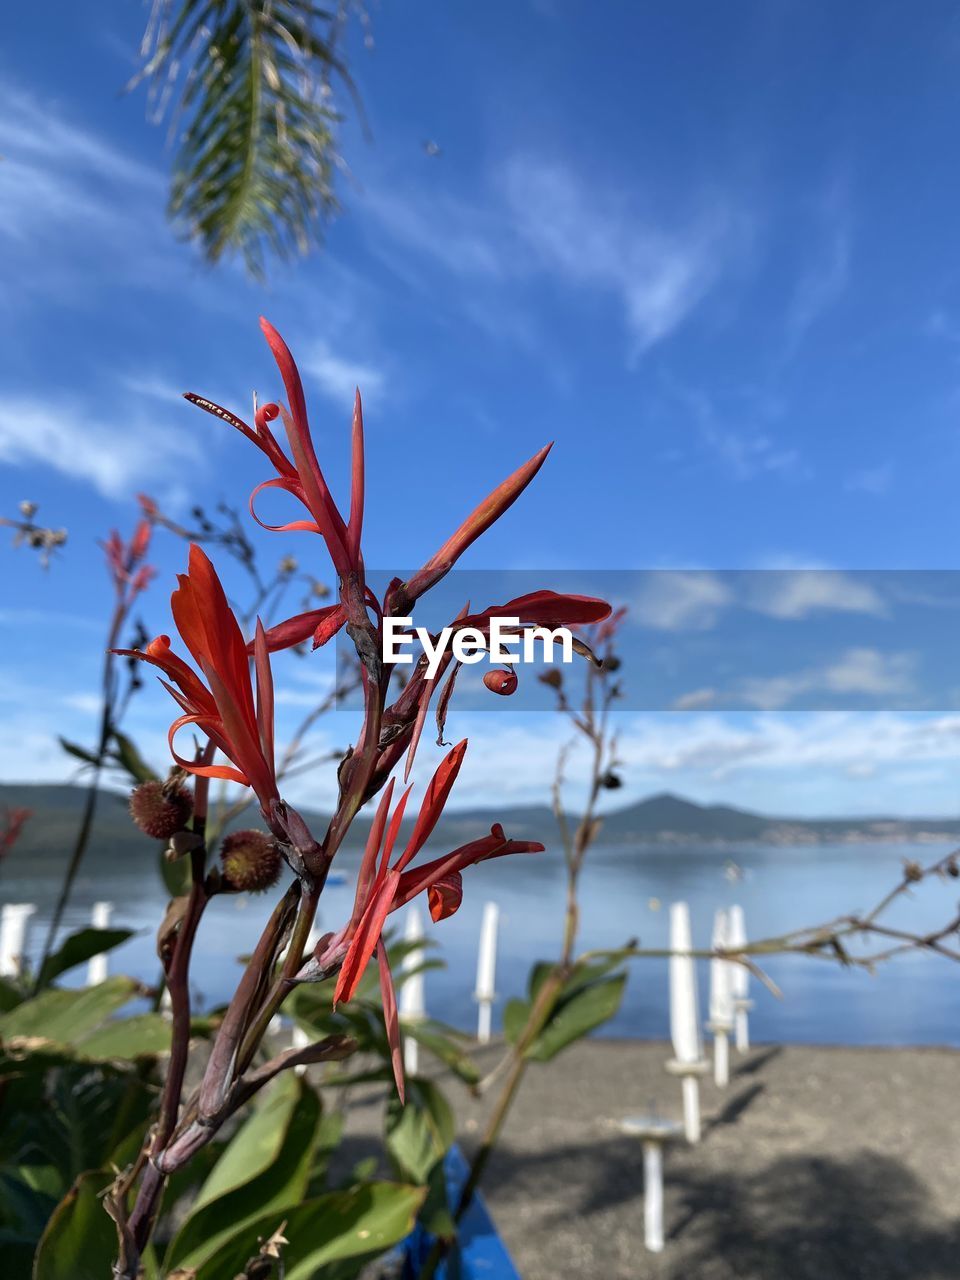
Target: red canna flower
(303,477)
(124,560)
(226,711)
(382,888)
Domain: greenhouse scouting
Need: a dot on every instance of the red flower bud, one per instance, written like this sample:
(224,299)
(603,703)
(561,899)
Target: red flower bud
(502,682)
(251,861)
(159,810)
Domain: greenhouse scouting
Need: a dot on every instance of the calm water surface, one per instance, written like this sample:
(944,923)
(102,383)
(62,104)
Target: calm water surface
(626,892)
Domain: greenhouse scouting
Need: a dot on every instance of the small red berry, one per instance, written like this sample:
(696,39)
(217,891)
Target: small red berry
(502,682)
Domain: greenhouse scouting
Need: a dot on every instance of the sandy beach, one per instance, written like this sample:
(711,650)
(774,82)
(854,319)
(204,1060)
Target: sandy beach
(815,1164)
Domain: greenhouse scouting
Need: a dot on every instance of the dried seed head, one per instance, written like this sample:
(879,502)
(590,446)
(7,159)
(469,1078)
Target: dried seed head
(912,872)
(611,781)
(251,861)
(161,810)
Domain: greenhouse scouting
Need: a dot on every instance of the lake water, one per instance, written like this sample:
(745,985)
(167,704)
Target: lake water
(914,999)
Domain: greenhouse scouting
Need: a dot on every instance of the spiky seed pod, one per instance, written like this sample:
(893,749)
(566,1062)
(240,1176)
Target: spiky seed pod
(161,810)
(251,861)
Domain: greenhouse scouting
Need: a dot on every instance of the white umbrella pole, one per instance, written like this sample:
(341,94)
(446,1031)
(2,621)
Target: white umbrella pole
(740,981)
(691,1107)
(688,1062)
(413,1007)
(721,1001)
(97,968)
(14,924)
(721,1058)
(487,970)
(653,1195)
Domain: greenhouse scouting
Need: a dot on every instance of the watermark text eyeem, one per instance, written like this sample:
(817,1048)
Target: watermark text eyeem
(509,641)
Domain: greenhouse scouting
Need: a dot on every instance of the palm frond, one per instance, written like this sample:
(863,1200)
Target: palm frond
(249,88)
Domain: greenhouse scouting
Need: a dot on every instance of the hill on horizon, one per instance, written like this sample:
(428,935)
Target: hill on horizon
(661,819)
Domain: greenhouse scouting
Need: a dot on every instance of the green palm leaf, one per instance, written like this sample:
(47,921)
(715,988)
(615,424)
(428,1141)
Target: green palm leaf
(249,88)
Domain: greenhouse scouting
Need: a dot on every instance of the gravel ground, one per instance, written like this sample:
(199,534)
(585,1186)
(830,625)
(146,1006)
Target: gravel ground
(815,1164)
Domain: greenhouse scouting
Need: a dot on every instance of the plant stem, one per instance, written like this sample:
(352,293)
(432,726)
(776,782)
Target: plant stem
(108,697)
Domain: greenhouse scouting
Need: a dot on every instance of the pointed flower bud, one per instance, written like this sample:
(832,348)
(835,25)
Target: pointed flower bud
(251,861)
(160,810)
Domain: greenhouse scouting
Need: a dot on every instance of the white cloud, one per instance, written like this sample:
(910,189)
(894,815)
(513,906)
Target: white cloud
(745,451)
(339,377)
(681,600)
(547,219)
(856,671)
(697,700)
(721,746)
(55,173)
(114,457)
(660,271)
(793,594)
(876,480)
(827,274)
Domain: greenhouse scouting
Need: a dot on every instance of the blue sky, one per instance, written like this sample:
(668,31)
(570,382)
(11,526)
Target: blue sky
(709,251)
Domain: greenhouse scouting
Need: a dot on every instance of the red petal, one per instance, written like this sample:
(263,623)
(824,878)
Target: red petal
(355,528)
(491,509)
(433,801)
(544,609)
(368,864)
(328,628)
(445,895)
(390,1020)
(365,939)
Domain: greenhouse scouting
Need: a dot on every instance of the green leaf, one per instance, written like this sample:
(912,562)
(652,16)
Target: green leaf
(588,1007)
(65,1016)
(419,1132)
(267,1163)
(586,1000)
(515,1014)
(441,1041)
(175,875)
(80,1241)
(10,996)
(81,753)
(359,1223)
(146,1035)
(79,948)
(129,758)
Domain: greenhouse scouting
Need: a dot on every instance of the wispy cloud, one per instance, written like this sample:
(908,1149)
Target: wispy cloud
(684,600)
(826,274)
(793,594)
(874,480)
(114,457)
(856,672)
(339,376)
(659,272)
(539,219)
(54,172)
(745,450)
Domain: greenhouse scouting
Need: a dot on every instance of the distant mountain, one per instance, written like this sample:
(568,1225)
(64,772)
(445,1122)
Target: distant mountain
(663,819)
